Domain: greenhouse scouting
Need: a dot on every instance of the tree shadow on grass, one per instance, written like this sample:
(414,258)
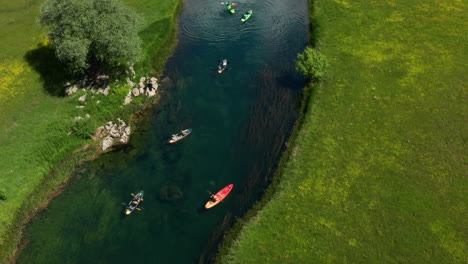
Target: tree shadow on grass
(52,72)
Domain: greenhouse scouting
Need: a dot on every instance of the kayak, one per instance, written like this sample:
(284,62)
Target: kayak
(230,7)
(247,15)
(132,205)
(180,135)
(219,196)
(222,66)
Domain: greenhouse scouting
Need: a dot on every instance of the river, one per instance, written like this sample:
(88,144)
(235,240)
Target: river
(241,120)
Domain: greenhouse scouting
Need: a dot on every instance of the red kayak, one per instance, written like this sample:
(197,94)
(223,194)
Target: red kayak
(219,196)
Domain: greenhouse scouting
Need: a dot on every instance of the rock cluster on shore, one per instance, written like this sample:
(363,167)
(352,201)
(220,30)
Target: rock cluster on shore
(147,86)
(113,134)
(97,86)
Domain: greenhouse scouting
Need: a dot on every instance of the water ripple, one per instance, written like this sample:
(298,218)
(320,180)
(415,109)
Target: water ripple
(270,29)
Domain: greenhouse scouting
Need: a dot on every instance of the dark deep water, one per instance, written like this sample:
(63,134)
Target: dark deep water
(240,119)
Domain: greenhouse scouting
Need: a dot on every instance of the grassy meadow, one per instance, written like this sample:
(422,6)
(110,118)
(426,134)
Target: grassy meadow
(377,173)
(36,151)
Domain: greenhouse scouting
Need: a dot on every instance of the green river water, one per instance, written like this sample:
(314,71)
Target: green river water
(240,120)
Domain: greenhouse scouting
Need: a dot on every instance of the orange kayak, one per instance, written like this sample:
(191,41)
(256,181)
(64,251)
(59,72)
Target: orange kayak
(219,196)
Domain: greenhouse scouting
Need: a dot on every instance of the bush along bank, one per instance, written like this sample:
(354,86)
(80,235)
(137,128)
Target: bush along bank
(105,110)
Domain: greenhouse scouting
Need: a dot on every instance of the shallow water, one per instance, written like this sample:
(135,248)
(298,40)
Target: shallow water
(240,122)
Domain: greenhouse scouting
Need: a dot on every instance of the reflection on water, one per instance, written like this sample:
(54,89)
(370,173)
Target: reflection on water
(240,120)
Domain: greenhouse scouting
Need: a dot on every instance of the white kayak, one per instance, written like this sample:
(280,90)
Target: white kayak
(182,134)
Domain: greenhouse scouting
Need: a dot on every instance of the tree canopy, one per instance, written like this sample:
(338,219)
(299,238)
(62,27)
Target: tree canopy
(97,33)
(312,64)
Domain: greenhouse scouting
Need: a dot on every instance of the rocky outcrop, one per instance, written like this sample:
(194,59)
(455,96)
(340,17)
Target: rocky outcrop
(113,134)
(147,86)
(97,85)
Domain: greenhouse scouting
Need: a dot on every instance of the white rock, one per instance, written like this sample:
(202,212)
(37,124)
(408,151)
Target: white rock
(124,139)
(114,131)
(132,70)
(151,93)
(129,82)
(127,130)
(135,92)
(107,143)
(106,90)
(128,99)
(80,106)
(88,116)
(122,128)
(71,90)
(100,132)
(82,98)
(78,118)
(142,90)
(103,77)
(109,125)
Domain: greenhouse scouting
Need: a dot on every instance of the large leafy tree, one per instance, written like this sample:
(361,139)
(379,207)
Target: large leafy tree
(92,33)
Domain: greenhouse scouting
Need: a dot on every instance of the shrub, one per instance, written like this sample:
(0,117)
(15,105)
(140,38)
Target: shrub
(312,64)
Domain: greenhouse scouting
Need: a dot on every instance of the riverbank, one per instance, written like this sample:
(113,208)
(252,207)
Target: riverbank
(376,174)
(35,142)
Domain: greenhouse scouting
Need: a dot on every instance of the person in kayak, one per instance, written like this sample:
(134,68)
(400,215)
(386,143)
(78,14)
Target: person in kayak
(230,7)
(135,199)
(213,198)
(222,65)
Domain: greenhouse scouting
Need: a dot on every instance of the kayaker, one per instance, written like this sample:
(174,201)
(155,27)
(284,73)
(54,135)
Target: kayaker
(213,198)
(149,86)
(222,65)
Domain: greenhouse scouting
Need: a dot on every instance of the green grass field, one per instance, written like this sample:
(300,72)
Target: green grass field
(36,118)
(377,173)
